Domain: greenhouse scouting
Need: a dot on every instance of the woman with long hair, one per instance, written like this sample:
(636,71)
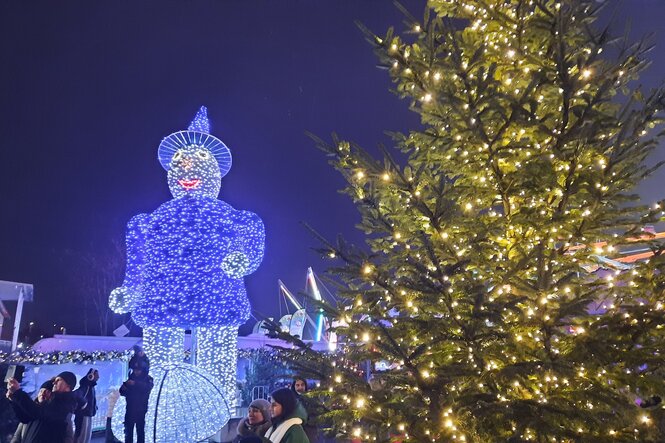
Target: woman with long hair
(286,425)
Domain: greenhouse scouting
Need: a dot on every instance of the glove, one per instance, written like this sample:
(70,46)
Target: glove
(235,264)
(120,300)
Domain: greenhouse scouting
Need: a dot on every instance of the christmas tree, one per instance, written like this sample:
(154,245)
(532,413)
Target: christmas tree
(478,305)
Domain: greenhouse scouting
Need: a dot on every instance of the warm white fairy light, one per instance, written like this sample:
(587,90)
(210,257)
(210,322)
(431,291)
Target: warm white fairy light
(522,148)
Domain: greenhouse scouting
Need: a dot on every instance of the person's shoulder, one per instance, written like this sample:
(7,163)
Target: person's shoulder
(300,411)
(70,399)
(295,434)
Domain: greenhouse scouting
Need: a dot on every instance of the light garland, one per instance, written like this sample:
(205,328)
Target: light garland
(59,357)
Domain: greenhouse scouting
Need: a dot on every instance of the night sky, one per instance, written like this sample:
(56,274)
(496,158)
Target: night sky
(88,90)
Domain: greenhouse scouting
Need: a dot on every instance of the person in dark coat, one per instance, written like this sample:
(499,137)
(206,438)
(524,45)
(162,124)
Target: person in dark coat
(88,406)
(136,391)
(24,429)
(304,410)
(48,422)
(257,421)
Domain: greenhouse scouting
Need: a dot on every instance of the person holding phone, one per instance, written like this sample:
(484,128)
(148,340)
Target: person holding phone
(25,429)
(87,406)
(49,419)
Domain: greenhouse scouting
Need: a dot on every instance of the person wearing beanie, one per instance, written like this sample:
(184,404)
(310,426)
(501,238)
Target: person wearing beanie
(257,421)
(87,399)
(24,429)
(136,391)
(64,382)
(48,420)
(286,425)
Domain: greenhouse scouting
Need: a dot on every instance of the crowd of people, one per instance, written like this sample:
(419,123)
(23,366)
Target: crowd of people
(284,419)
(62,413)
(48,418)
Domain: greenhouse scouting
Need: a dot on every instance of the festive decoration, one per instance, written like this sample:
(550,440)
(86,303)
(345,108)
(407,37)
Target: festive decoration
(216,352)
(187,259)
(473,299)
(53,358)
(164,344)
(197,136)
(186,405)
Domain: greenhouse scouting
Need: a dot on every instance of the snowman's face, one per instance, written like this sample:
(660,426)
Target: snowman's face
(194,171)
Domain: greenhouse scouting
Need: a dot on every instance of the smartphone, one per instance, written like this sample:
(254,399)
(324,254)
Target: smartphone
(15,372)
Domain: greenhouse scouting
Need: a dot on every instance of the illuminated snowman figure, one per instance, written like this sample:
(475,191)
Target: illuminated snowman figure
(187,259)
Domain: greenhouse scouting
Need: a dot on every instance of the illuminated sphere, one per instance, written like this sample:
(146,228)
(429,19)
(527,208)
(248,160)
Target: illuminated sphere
(186,405)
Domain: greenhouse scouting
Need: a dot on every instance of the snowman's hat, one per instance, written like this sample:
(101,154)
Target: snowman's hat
(196,134)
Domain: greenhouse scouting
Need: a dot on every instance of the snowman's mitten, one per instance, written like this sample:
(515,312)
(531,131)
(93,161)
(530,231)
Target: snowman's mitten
(120,300)
(235,264)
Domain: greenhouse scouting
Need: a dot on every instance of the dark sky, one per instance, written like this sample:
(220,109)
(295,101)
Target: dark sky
(88,89)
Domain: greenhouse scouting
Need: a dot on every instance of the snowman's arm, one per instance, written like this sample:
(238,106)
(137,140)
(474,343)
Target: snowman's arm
(123,299)
(135,240)
(249,241)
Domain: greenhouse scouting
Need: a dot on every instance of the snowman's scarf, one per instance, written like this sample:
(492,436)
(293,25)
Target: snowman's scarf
(276,435)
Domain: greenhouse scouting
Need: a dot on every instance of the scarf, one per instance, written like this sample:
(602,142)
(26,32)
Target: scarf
(276,435)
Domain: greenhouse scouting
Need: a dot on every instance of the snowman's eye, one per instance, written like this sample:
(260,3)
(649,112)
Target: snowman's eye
(203,154)
(177,156)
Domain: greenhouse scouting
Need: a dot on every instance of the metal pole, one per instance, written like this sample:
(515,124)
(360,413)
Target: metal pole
(193,347)
(17,319)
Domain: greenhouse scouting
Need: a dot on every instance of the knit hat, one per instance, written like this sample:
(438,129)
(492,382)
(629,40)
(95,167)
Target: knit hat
(139,361)
(48,385)
(263,406)
(287,398)
(69,378)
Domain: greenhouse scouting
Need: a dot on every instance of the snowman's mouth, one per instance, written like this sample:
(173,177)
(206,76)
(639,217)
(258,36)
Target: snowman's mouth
(190,184)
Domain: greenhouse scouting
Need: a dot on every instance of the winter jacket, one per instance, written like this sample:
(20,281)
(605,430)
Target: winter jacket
(292,431)
(245,429)
(47,422)
(302,413)
(88,399)
(137,395)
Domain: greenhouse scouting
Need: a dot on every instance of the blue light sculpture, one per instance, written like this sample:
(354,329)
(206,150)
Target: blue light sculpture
(187,259)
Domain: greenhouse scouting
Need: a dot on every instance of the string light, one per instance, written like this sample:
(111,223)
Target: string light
(187,259)
(217,348)
(474,238)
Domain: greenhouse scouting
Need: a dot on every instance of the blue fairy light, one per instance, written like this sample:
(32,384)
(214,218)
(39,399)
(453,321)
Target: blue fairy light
(187,259)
